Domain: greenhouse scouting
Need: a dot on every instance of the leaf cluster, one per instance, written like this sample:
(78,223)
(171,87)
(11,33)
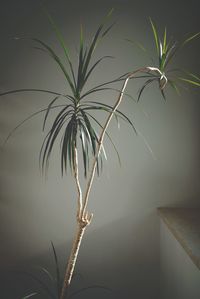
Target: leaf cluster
(75,123)
(75,120)
(166,50)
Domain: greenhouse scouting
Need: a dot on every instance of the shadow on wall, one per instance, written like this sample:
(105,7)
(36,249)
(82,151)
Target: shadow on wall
(121,260)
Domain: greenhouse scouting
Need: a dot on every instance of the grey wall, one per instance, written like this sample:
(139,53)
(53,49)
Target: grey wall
(179,275)
(121,248)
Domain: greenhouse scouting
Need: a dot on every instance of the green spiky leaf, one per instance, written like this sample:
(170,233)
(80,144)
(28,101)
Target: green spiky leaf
(156,37)
(189,81)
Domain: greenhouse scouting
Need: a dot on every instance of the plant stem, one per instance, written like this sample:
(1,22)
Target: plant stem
(101,138)
(76,176)
(82,222)
(83,217)
(72,259)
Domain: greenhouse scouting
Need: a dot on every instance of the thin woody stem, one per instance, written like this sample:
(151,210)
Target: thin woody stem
(82,222)
(72,259)
(76,176)
(79,233)
(91,178)
(101,138)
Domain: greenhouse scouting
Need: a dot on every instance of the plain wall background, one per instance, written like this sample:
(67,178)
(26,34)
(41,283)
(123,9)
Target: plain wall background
(121,247)
(180,277)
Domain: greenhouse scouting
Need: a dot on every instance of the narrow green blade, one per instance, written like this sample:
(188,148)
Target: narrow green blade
(144,86)
(165,41)
(57,269)
(29,90)
(174,86)
(156,37)
(48,110)
(58,61)
(189,81)
(117,153)
(61,41)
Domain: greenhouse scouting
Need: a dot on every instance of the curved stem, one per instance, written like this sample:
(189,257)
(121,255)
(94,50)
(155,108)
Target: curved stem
(101,138)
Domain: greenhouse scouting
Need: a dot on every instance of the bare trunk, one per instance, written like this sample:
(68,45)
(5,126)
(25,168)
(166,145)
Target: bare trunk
(72,259)
(83,220)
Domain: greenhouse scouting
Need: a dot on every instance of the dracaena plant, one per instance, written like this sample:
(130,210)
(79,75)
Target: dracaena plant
(75,125)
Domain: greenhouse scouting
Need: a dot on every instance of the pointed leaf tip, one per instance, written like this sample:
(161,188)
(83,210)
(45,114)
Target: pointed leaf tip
(155,33)
(110,12)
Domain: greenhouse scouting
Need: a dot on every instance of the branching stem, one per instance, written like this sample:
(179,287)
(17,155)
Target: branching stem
(83,217)
(163,79)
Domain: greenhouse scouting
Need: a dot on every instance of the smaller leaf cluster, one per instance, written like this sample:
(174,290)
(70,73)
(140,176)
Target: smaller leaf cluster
(166,50)
(53,287)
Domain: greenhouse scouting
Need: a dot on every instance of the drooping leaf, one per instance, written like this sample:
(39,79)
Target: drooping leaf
(110,108)
(93,137)
(51,137)
(95,120)
(48,110)
(27,119)
(29,90)
(144,86)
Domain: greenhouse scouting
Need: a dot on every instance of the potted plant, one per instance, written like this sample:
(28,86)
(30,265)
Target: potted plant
(75,125)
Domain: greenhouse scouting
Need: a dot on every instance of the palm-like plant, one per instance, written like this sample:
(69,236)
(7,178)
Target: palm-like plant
(74,123)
